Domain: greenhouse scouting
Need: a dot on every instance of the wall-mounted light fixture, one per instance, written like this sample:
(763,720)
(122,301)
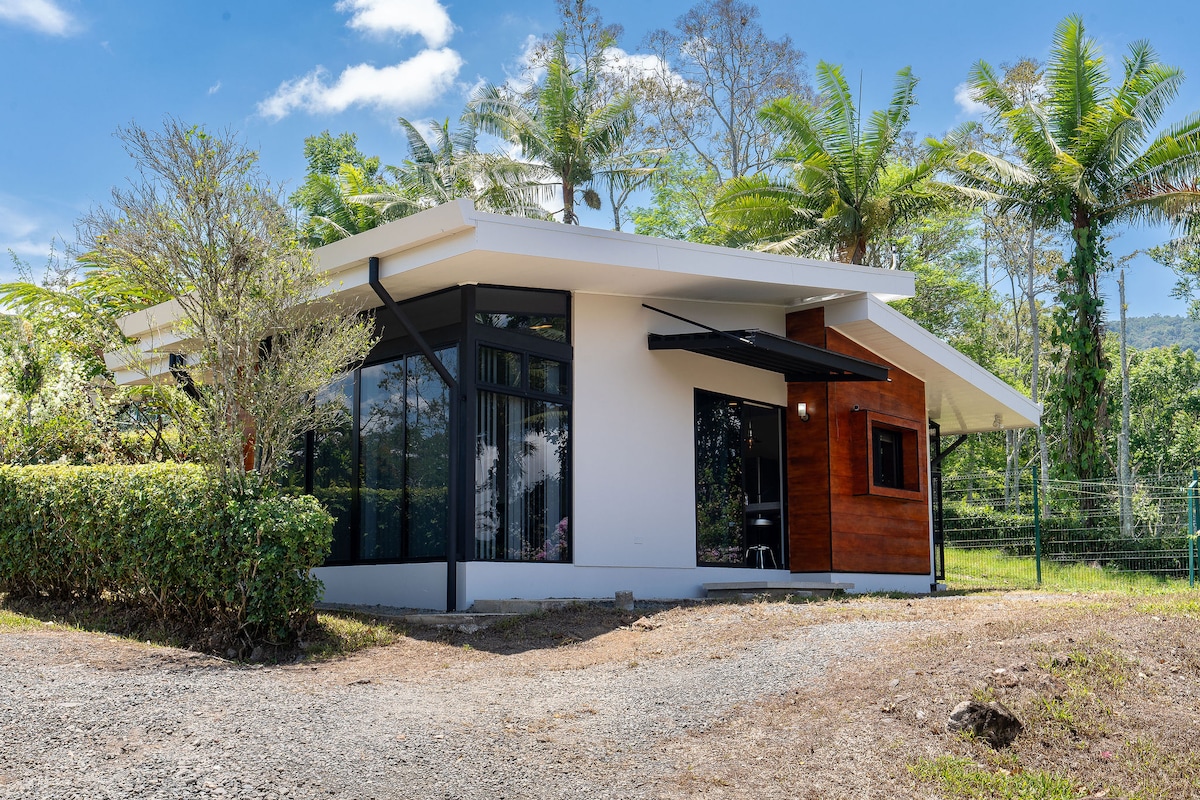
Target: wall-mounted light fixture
(802,411)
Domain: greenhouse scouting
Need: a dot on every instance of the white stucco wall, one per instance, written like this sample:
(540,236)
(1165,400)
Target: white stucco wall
(420,585)
(634,426)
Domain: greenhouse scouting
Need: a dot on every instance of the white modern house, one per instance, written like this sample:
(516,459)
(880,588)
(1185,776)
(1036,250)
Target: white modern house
(559,411)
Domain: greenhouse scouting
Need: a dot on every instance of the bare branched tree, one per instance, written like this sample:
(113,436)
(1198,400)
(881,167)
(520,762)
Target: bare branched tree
(715,71)
(199,223)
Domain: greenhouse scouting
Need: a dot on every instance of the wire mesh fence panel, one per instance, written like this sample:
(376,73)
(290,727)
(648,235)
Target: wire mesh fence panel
(1093,535)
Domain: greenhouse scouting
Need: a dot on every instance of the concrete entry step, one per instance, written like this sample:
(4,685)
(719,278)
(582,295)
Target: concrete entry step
(775,589)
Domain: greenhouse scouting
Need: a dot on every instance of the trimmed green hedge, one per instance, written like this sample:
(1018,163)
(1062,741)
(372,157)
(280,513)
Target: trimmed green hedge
(164,538)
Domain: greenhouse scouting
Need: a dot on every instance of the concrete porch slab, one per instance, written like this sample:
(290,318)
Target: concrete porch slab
(775,589)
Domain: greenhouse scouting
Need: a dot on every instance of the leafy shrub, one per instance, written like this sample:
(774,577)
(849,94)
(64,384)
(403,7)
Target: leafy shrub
(162,537)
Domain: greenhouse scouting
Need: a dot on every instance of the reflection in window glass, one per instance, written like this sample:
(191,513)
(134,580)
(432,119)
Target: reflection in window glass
(499,367)
(720,497)
(739,481)
(427,456)
(521,487)
(381,486)
(332,459)
(404,461)
(547,375)
(547,326)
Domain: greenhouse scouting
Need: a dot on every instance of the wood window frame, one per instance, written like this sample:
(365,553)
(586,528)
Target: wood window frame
(864,468)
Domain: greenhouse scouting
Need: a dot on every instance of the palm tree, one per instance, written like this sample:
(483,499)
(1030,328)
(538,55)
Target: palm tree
(1085,165)
(449,165)
(350,202)
(845,185)
(566,130)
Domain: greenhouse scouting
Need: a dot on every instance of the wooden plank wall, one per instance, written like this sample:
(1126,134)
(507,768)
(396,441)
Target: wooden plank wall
(831,525)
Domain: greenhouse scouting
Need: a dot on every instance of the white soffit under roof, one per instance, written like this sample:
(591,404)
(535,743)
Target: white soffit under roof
(962,397)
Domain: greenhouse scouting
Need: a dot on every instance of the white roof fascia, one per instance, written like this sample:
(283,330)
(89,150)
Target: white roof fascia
(962,397)
(454,244)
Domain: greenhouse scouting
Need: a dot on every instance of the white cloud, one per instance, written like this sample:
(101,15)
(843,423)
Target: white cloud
(26,236)
(424,18)
(409,84)
(971,107)
(524,71)
(41,15)
(216,87)
(401,87)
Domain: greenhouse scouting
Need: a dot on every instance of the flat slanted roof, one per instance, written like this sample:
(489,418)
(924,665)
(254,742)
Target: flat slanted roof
(796,361)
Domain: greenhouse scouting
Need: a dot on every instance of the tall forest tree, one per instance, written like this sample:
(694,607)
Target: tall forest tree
(566,128)
(1085,163)
(713,73)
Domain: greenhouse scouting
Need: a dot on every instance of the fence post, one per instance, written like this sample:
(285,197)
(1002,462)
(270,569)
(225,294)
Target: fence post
(1191,531)
(1037,527)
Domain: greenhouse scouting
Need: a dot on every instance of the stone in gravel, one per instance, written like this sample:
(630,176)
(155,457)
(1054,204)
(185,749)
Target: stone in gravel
(991,722)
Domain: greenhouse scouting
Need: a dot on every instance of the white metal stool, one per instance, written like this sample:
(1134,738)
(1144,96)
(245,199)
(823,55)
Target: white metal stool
(760,553)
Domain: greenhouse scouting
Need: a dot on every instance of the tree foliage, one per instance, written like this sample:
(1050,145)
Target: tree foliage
(1086,161)
(200,224)
(845,187)
(711,76)
(566,127)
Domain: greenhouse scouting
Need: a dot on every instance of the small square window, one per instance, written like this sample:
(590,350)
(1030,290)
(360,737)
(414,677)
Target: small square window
(888,446)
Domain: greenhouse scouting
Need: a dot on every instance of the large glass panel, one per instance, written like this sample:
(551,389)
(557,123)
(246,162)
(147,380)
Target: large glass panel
(549,327)
(739,482)
(720,498)
(405,459)
(542,314)
(547,375)
(382,447)
(521,486)
(427,457)
(332,463)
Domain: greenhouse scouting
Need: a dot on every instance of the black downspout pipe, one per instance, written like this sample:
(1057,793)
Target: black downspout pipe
(452,490)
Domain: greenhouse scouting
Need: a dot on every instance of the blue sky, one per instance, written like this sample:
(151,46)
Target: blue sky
(279,70)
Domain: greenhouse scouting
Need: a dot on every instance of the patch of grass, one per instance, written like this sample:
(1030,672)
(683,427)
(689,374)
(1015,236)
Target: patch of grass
(964,778)
(992,569)
(1180,605)
(1157,774)
(1089,678)
(96,617)
(10,621)
(339,634)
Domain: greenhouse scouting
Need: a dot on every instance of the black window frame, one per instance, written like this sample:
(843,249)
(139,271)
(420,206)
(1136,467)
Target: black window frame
(463,332)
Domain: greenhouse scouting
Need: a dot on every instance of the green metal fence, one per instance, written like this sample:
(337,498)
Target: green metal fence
(1019,532)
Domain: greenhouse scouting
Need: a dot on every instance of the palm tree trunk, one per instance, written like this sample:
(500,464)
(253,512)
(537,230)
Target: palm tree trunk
(1082,392)
(568,196)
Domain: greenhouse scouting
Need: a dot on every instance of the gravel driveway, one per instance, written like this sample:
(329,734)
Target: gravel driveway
(88,716)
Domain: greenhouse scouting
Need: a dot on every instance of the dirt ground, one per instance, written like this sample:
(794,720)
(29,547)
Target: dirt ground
(1107,687)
